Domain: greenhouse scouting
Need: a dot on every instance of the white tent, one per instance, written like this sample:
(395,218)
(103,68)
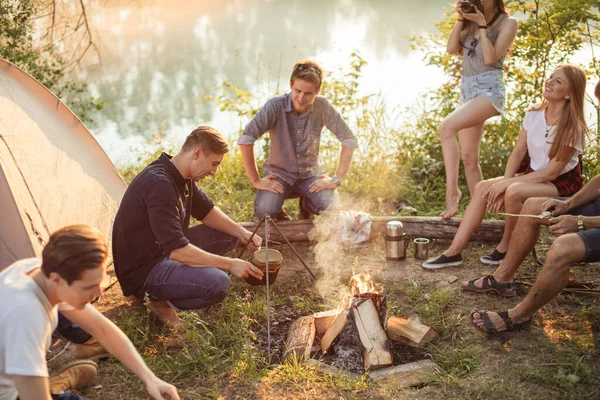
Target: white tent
(52,171)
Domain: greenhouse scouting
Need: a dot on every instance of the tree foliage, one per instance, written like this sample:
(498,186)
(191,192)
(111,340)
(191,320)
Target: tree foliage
(39,54)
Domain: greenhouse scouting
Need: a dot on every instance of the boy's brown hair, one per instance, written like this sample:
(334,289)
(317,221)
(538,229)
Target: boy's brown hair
(72,250)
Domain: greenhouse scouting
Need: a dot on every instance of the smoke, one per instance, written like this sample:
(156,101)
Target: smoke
(330,253)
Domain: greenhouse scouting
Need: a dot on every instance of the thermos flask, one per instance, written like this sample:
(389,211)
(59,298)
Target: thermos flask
(395,241)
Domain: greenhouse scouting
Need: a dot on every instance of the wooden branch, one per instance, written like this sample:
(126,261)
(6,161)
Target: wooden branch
(300,339)
(409,331)
(334,330)
(323,320)
(428,227)
(405,375)
(372,336)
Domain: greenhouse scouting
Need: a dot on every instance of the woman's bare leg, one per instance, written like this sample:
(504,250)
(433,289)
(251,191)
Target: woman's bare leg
(471,114)
(472,218)
(469,140)
(514,198)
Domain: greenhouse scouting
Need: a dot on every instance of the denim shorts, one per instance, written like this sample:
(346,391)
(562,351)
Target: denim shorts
(488,84)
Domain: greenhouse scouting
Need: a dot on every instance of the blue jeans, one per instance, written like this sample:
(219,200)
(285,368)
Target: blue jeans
(268,203)
(71,332)
(191,288)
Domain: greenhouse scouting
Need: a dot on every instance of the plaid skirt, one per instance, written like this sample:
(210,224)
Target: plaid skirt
(567,184)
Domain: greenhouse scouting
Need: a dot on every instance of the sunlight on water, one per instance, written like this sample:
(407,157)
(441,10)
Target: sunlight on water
(159,59)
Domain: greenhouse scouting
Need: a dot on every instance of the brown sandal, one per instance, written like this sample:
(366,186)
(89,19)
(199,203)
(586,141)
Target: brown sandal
(490,329)
(490,284)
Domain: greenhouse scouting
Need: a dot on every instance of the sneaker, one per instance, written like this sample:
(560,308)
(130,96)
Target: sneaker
(494,258)
(91,350)
(73,376)
(442,261)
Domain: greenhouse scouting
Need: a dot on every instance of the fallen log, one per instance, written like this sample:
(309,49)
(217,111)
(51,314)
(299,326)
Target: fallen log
(372,336)
(428,227)
(300,339)
(405,375)
(409,331)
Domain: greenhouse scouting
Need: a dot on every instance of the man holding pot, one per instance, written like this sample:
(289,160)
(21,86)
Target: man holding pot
(154,249)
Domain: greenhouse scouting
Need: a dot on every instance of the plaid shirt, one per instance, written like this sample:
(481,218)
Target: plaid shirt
(295,139)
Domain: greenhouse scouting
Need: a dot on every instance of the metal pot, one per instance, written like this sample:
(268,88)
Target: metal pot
(396,242)
(259,261)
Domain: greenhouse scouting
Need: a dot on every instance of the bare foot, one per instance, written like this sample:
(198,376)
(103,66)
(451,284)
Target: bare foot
(165,313)
(452,203)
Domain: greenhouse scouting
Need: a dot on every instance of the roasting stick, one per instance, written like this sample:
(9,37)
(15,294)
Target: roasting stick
(267,220)
(540,216)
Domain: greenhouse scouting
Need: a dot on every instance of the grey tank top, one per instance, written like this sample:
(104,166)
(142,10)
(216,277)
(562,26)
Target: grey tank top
(474,64)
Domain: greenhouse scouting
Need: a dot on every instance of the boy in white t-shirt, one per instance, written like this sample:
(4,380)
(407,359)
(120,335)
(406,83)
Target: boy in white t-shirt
(67,278)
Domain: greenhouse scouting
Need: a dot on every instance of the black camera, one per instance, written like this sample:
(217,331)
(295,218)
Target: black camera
(468,6)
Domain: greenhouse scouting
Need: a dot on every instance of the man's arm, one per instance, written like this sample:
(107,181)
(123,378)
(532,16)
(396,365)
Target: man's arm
(32,387)
(342,169)
(568,223)
(218,220)
(588,193)
(336,124)
(264,119)
(117,344)
(344,163)
(195,257)
(267,183)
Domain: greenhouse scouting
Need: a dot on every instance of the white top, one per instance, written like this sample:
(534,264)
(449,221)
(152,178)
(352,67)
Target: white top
(538,145)
(27,321)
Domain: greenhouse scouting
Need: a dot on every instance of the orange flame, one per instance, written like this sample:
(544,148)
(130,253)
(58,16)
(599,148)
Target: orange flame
(362,283)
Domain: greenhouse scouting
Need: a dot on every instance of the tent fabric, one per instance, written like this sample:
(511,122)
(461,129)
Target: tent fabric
(52,171)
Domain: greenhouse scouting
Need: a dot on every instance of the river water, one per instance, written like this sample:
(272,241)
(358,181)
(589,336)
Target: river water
(159,59)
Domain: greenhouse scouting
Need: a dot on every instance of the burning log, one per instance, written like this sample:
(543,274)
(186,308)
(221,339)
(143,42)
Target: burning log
(409,331)
(376,349)
(300,338)
(334,330)
(323,321)
(379,299)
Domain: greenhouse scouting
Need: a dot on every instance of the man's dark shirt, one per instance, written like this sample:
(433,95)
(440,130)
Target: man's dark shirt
(152,221)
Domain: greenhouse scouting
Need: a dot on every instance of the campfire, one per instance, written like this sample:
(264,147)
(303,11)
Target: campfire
(356,336)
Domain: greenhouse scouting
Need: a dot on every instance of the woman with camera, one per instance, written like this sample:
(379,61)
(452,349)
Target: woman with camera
(553,135)
(483,35)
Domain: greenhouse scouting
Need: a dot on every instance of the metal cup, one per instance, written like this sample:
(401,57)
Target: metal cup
(421,248)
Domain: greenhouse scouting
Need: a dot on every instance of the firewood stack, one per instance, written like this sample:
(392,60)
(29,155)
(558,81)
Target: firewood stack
(355,334)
